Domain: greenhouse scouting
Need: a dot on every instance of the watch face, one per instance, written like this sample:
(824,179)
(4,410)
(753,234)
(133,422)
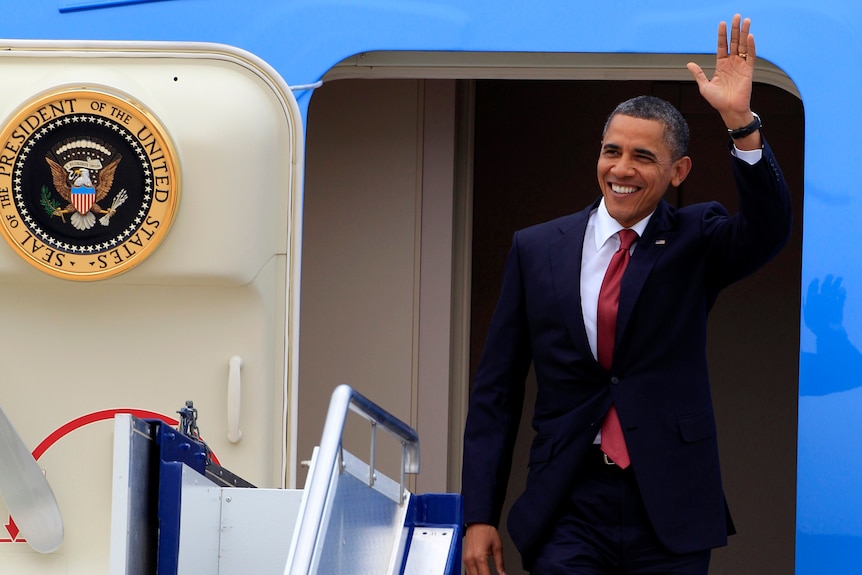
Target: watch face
(89,183)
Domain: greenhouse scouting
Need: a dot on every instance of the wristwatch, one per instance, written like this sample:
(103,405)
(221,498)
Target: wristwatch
(746,130)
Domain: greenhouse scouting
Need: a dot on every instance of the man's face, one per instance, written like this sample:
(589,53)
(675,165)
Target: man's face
(636,167)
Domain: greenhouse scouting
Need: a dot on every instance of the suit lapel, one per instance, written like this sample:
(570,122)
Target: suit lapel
(565,254)
(650,247)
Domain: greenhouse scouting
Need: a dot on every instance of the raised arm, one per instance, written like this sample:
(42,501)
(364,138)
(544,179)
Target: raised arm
(729,89)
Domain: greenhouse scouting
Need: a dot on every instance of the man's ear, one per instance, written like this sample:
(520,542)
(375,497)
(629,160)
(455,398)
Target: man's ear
(681,168)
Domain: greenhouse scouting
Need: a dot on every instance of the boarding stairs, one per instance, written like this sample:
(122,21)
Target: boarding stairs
(175,511)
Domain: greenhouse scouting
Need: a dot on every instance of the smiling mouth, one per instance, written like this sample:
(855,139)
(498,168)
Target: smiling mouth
(620,189)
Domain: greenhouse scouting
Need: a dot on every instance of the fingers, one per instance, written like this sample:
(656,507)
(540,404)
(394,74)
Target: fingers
(697,72)
(752,52)
(699,76)
(741,40)
(734,35)
(721,51)
(498,560)
(475,564)
(476,549)
(745,48)
(482,542)
(743,32)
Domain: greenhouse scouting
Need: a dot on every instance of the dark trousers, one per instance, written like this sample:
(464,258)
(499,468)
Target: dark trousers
(605,531)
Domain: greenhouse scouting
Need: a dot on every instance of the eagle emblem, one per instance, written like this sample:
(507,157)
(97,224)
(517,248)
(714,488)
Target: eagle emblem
(83,172)
(76,158)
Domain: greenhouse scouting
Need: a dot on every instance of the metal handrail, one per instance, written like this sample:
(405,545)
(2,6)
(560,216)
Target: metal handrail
(344,399)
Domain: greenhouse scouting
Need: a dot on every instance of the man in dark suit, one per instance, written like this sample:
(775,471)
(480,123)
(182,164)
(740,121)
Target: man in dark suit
(624,470)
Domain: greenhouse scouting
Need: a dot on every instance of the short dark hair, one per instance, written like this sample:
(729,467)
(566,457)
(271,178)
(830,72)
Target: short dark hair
(652,108)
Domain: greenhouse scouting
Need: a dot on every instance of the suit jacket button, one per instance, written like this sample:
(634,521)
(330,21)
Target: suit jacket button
(615,380)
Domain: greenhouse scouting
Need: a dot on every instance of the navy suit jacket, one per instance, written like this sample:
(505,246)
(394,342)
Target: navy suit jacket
(658,381)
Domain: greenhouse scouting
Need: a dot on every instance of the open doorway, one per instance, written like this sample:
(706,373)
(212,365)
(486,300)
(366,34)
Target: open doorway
(536,145)
(530,157)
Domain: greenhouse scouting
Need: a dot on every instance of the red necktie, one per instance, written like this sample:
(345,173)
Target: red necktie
(613,441)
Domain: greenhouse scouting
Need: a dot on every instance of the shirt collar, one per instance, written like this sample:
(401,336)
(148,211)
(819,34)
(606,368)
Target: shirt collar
(606,226)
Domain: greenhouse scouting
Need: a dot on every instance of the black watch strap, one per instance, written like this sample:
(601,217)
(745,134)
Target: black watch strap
(746,130)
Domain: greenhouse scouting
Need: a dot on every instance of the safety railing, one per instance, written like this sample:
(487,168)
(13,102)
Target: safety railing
(328,462)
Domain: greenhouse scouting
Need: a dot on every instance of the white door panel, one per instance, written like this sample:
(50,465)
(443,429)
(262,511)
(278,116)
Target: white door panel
(152,336)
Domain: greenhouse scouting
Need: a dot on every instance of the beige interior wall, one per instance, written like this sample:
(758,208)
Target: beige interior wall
(376,271)
(435,285)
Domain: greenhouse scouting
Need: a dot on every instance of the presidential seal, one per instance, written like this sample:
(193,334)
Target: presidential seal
(89,184)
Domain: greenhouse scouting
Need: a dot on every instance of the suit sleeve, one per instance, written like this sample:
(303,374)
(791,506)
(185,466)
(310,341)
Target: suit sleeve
(742,243)
(496,401)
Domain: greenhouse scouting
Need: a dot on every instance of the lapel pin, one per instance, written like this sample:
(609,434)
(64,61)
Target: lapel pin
(660,242)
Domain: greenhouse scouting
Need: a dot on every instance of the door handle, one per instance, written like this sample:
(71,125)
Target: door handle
(234,398)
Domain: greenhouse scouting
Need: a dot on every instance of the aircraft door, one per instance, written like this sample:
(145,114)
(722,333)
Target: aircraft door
(149,198)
